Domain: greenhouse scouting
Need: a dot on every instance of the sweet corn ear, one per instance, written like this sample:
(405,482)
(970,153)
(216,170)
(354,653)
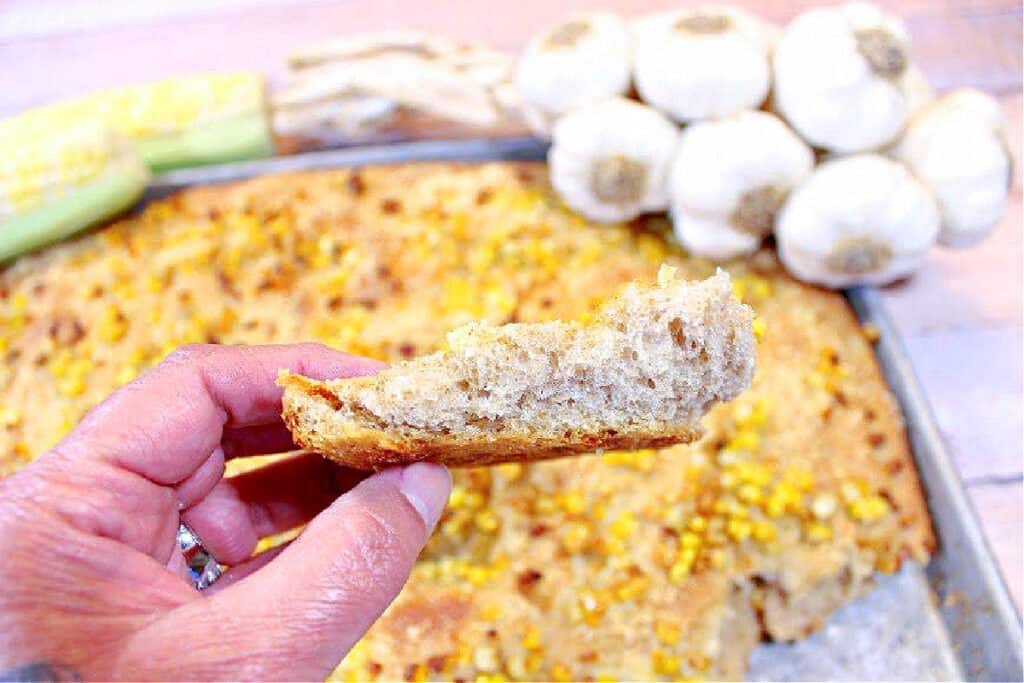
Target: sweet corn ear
(178,122)
(56,180)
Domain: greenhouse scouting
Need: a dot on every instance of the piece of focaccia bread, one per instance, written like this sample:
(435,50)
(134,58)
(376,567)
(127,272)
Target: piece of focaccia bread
(640,374)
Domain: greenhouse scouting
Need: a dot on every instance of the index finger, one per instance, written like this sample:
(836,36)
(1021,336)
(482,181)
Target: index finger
(166,423)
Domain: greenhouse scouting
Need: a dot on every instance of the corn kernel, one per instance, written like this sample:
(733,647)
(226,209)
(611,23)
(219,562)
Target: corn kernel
(749,493)
(667,632)
(575,537)
(738,529)
(759,327)
(869,509)
(689,540)
(664,664)
(573,502)
(764,531)
(531,639)
(698,524)
(419,674)
(624,525)
(533,662)
(491,612)
(560,672)
(486,521)
(632,589)
(511,471)
(816,532)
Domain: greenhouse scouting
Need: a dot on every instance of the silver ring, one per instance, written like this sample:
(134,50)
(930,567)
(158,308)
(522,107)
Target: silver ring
(202,567)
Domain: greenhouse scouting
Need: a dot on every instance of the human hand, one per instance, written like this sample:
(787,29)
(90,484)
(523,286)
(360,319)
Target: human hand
(93,580)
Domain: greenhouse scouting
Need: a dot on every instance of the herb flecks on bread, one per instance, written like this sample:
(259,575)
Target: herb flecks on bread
(641,373)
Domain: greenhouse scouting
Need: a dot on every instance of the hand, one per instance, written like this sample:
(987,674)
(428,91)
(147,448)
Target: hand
(93,581)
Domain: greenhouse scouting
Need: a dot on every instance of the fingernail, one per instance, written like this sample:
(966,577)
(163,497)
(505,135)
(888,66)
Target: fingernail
(426,486)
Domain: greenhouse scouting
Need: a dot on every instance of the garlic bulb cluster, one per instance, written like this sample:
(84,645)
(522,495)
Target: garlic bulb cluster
(729,179)
(898,171)
(861,219)
(841,77)
(584,59)
(702,62)
(957,146)
(609,161)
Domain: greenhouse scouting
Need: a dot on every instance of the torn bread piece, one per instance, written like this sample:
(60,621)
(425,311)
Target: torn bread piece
(640,374)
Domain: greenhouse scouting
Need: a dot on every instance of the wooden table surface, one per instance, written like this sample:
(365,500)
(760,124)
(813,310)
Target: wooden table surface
(960,316)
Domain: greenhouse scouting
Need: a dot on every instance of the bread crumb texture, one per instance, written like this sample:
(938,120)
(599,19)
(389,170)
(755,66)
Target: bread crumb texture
(645,564)
(640,373)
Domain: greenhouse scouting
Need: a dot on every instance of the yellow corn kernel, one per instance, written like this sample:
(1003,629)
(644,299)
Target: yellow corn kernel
(511,471)
(477,576)
(739,530)
(457,499)
(624,525)
(664,664)
(632,589)
(486,521)
(869,509)
(419,674)
(573,502)
(760,328)
(698,524)
(816,532)
(491,612)
(749,493)
(575,537)
(531,639)
(764,531)
(689,540)
(744,440)
(667,632)
(560,672)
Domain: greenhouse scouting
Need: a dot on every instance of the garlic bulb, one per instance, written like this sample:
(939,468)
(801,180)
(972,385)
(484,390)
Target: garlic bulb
(957,147)
(584,59)
(861,219)
(841,77)
(704,62)
(610,160)
(729,179)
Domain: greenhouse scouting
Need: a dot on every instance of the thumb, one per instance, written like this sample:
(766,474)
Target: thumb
(297,617)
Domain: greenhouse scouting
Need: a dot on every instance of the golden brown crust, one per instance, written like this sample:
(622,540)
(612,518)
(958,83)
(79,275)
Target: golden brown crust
(357,446)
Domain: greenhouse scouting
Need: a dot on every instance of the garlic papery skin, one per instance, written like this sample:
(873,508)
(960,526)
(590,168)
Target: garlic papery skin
(584,59)
(957,147)
(841,77)
(861,219)
(609,160)
(729,179)
(700,63)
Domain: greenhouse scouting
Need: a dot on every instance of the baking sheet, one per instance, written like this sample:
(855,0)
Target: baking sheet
(952,620)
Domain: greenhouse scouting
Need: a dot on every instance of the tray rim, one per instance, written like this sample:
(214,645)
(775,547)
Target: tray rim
(953,517)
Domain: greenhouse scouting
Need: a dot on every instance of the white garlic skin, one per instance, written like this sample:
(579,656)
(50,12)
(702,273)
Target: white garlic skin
(717,165)
(828,90)
(609,160)
(957,147)
(865,212)
(704,62)
(584,59)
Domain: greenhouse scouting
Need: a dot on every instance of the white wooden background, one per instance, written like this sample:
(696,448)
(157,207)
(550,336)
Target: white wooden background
(960,316)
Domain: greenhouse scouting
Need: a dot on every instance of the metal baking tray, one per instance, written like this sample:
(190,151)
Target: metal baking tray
(951,620)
